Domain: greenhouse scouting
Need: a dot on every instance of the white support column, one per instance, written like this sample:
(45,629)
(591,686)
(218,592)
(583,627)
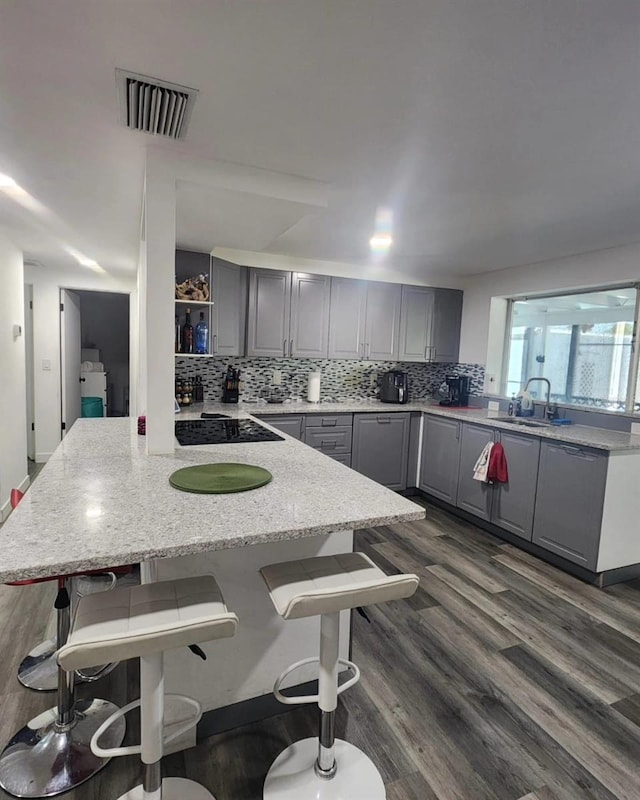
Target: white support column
(158,279)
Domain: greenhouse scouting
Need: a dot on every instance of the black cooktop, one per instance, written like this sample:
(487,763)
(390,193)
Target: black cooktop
(222,431)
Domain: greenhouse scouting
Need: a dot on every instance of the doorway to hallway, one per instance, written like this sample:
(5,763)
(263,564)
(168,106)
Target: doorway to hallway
(94,355)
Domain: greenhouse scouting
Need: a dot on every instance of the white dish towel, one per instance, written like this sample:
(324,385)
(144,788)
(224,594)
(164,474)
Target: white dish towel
(481,469)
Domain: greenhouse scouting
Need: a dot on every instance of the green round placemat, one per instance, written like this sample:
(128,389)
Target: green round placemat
(219,478)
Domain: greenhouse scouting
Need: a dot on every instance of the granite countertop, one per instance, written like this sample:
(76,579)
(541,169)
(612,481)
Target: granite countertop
(101,501)
(578,435)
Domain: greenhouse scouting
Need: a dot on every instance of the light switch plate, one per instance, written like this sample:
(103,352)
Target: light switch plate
(493,405)
(46,364)
(276,378)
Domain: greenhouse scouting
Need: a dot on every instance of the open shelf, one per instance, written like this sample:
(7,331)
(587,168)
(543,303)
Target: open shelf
(194,302)
(194,355)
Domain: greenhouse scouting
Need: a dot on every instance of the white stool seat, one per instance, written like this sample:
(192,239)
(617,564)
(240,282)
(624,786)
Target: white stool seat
(142,622)
(326,584)
(138,621)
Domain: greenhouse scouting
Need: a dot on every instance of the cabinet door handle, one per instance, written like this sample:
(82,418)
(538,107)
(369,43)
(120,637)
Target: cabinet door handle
(284,348)
(384,420)
(435,353)
(215,343)
(426,352)
(328,423)
(361,349)
(327,444)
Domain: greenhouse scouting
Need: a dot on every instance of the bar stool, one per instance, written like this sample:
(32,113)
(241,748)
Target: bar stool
(327,768)
(142,622)
(38,670)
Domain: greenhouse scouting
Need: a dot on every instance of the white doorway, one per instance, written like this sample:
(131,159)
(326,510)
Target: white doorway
(70,357)
(29,372)
(94,354)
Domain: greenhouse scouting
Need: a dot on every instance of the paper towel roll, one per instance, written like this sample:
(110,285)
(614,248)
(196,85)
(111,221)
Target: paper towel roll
(313,389)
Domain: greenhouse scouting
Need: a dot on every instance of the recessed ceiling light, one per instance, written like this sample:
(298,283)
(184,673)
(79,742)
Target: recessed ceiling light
(6,182)
(380,242)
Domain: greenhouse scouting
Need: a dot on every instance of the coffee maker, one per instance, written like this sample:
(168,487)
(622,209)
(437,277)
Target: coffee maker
(394,387)
(457,390)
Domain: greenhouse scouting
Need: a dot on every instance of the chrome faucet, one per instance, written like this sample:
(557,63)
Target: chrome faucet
(550,409)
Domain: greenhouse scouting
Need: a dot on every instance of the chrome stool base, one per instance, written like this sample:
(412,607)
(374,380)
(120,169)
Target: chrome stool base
(172,789)
(292,775)
(46,759)
(39,670)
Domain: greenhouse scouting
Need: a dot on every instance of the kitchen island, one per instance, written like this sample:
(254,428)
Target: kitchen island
(100,501)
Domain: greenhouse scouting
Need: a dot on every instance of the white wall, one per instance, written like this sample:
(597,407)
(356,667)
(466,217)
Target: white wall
(13,402)
(46,320)
(481,340)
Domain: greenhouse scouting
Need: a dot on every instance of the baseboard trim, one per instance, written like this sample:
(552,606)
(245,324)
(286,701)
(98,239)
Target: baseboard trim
(42,458)
(246,712)
(600,579)
(5,509)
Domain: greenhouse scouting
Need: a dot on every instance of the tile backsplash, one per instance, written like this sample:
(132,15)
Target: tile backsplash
(341,379)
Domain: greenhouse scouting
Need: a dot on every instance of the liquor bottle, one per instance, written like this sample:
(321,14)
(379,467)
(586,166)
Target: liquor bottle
(178,336)
(187,334)
(202,336)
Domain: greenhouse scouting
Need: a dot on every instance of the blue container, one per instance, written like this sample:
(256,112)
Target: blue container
(91,407)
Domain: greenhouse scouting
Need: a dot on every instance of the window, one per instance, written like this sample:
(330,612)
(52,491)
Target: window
(581,342)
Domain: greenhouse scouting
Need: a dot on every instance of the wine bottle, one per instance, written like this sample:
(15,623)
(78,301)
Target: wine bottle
(202,336)
(187,334)
(178,336)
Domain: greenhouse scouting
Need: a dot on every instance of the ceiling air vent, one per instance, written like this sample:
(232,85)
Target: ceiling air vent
(154,106)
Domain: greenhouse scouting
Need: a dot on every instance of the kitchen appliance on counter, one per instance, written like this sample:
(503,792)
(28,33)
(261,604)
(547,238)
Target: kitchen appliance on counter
(222,431)
(231,385)
(394,387)
(457,390)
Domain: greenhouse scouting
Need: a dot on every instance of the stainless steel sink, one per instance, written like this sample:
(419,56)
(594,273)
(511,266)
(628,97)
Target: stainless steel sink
(524,423)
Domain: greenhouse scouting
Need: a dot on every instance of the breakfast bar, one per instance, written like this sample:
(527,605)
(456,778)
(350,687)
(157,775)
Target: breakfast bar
(101,501)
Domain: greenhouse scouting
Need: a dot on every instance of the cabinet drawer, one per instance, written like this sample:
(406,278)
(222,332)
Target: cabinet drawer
(292,424)
(343,458)
(330,440)
(329,420)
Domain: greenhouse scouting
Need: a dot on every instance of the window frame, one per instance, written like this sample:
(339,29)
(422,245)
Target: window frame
(634,360)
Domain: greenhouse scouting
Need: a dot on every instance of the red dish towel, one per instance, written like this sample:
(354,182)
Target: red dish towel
(497,471)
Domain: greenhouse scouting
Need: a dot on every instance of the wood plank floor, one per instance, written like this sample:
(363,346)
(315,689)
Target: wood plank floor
(501,679)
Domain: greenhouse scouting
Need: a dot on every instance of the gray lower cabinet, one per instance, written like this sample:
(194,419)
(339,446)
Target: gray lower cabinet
(447,319)
(514,502)
(268,313)
(570,501)
(440,458)
(474,496)
(381,447)
(309,326)
(228,312)
(292,424)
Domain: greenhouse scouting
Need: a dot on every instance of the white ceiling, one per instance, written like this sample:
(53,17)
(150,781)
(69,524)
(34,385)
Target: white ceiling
(500,132)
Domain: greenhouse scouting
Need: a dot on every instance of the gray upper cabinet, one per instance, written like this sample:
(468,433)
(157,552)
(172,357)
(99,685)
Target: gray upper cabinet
(382,321)
(474,496)
(269,313)
(309,327)
(440,458)
(364,321)
(447,319)
(514,502)
(416,322)
(430,324)
(381,447)
(228,313)
(347,318)
(570,501)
